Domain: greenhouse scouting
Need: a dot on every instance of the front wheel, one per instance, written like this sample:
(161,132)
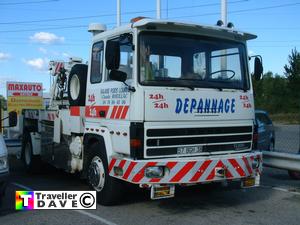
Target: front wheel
(109,189)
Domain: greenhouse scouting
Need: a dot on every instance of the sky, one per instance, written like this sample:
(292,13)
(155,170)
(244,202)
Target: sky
(32,32)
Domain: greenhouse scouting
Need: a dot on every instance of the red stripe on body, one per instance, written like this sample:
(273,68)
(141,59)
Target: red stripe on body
(129,169)
(237,167)
(124,112)
(113,113)
(75,110)
(247,165)
(122,163)
(201,170)
(118,114)
(187,167)
(111,164)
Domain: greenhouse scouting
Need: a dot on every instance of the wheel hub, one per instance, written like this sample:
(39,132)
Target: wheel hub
(27,154)
(96,174)
(75,87)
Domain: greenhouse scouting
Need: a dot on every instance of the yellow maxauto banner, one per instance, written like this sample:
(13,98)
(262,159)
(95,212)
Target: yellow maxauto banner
(21,95)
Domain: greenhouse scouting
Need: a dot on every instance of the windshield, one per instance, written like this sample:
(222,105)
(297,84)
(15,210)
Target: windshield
(191,61)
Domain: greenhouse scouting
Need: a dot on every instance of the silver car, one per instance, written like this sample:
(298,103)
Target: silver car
(265,131)
(4,174)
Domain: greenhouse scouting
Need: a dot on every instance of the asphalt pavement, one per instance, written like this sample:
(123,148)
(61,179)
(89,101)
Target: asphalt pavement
(277,201)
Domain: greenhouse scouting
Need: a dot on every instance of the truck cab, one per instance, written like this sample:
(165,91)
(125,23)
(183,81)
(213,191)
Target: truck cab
(160,103)
(186,87)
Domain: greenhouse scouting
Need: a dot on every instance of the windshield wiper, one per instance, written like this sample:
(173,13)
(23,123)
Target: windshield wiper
(190,87)
(213,87)
(205,84)
(178,84)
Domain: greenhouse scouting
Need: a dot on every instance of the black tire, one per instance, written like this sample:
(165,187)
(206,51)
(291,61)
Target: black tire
(1,202)
(294,175)
(112,190)
(31,162)
(3,186)
(77,85)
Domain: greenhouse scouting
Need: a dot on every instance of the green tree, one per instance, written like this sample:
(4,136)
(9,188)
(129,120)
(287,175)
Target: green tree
(271,93)
(292,73)
(3,102)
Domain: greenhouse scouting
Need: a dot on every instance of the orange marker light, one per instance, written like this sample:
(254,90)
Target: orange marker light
(135,19)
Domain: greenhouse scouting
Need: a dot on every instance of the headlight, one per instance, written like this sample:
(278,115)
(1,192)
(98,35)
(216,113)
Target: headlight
(3,163)
(154,172)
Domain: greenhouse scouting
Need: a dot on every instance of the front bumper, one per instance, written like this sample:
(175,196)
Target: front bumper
(188,170)
(4,177)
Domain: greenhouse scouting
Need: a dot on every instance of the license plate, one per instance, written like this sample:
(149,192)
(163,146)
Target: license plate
(248,182)
(159,191)
(189,150)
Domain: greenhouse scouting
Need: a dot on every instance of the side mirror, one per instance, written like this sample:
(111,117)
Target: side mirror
(12,119)
(258,68)
(118,75)
(112,55)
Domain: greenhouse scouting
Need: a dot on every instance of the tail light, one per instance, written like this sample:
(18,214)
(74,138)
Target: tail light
(136,140)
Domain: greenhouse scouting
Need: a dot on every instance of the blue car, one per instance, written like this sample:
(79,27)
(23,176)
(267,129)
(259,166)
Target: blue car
(265,131)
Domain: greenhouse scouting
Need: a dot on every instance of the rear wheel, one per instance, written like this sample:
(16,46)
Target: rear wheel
(31,162)
(109,189)
(294,175)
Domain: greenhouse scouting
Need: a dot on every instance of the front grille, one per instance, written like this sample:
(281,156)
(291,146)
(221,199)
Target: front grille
(197,131)
(165,142)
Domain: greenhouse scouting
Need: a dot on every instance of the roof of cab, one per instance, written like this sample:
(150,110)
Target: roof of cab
(217,31)
(196,27)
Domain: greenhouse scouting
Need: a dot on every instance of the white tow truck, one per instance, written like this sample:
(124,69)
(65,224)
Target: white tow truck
(160,104)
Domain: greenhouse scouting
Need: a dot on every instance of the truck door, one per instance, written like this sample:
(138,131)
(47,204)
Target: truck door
(108,99)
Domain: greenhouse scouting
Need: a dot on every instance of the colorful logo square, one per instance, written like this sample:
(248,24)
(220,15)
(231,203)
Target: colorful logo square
(24,200)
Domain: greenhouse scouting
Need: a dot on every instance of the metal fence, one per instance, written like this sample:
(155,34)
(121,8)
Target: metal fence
(287,137)
(287,132)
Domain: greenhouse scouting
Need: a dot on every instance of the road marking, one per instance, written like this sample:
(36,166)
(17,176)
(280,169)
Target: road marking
(95,217)
(78,211)
(22,186)
(281,189)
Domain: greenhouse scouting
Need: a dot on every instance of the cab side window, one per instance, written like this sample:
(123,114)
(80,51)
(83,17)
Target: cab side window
(126,60)
(126,54)
(97,62)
